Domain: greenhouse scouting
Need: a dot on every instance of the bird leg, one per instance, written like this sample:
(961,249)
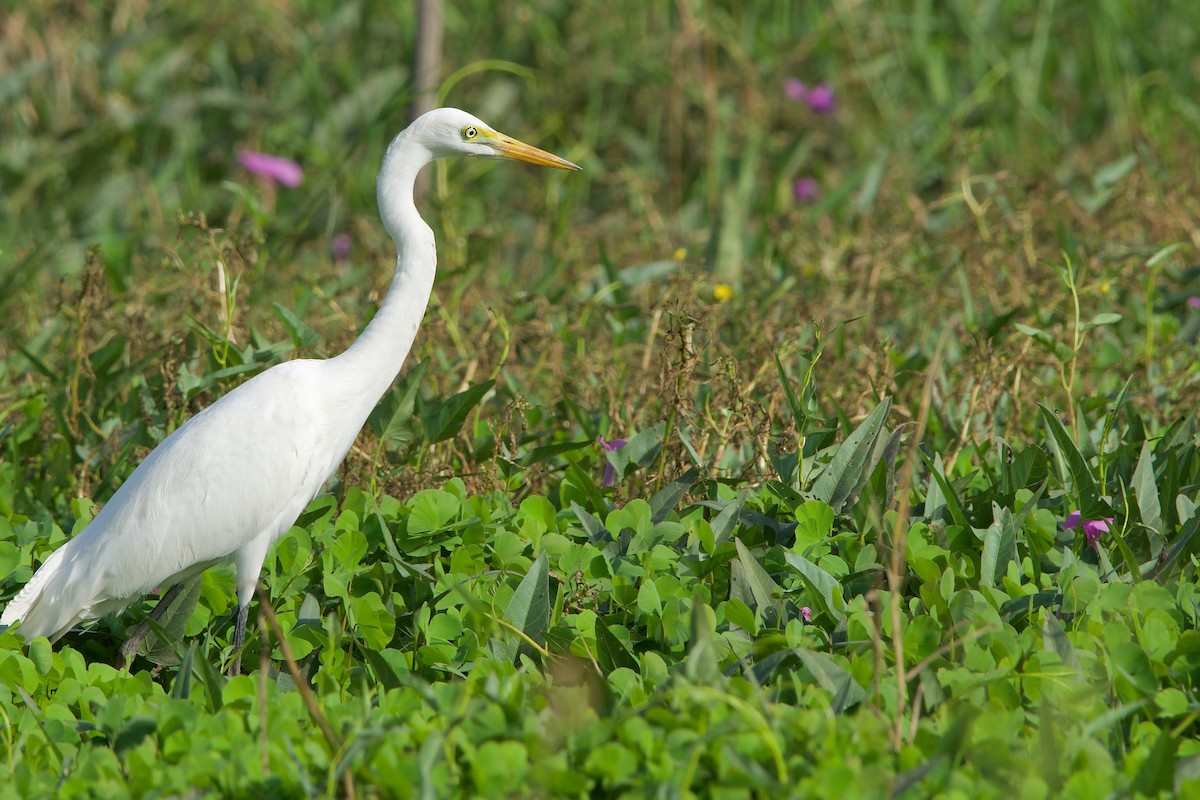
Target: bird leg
(129,649)
(239,638)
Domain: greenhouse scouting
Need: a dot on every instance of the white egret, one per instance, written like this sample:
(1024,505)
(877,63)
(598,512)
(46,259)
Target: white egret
(233,478)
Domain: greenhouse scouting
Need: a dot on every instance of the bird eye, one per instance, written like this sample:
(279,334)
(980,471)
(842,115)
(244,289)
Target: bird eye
(470,132)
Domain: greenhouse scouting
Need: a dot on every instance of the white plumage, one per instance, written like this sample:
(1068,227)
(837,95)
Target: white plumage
(236,476)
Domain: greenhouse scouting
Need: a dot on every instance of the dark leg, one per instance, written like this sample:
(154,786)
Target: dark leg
(129,649)
(239,639)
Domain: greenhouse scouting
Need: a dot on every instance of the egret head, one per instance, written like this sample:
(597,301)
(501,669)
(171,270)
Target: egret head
(448,132)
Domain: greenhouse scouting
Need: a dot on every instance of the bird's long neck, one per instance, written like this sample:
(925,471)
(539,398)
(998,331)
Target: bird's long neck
(368,367)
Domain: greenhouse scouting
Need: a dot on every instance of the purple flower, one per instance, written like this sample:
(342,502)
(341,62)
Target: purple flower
(819,98)
(806,613)
(610,474)
(1092,528)
(339,246)
(806,190)
(1193,302)
(795,89)
(281,170)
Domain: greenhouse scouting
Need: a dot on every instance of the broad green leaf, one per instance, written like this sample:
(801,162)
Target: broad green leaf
(162,646)
(724,524)
(593,527)
(851,465)
(703,661)
(754,585)
(1019,607)
(664,502)
(814,523)
(648,601)
(10,556)
(395,417)
(1172,702)
(610,652)
(1054,639)
(432,510)
(640,450)
(999,547)
(443,419)
(373,624)
(1157,773)
(529,609)
(738,613)
(1145,488)
(833,678)
(826,586)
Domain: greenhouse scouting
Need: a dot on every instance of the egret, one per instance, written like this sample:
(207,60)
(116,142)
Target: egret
(233,478)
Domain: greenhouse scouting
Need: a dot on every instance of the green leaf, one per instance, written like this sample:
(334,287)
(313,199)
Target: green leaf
(664,501)
(10,556)
(948,495)
(703,664)
(394,418)
(640,450)
(648,600)
(585,486)
(837,681)
(724,524)
(794,404)
(738,613)
(851,465)
(1081,477)
(1054,639)
(132,733)
(754,586)
(1105,318)
(610,652)
(1059,349)
(1145,488)
(999,547)
(181,688)
(298,332)
(1172,702)
(384,669)
(1157,773)
(432,510)
(543,454)
(529,609)
(814,523)
(163,645)
(373,624)
(826,586)
(443,420)
(593,527)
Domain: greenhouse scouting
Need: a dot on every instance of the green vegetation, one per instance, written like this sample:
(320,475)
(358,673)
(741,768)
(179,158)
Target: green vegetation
(832,561)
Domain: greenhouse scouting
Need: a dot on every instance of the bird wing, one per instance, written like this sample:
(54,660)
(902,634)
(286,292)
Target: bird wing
(242,469)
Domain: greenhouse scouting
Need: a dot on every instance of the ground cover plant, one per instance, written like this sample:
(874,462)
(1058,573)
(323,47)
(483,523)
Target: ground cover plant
(832,434)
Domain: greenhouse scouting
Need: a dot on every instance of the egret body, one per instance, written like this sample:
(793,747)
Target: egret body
(233,478)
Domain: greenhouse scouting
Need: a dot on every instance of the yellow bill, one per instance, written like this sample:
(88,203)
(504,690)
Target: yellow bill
(509,147)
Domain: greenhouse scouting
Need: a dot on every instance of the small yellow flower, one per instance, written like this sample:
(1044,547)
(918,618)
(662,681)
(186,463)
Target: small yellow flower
(722,292)
(680,254)
(1105,287)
